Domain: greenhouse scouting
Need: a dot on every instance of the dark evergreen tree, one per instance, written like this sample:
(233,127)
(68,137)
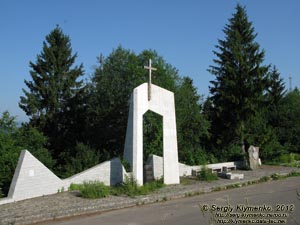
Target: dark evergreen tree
(55,93)
(240,80)
(276,88)
(274,95)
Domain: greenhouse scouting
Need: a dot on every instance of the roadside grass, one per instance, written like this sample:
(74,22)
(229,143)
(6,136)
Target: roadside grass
(129,187)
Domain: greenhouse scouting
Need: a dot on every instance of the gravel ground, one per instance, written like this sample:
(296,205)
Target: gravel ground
(69,204)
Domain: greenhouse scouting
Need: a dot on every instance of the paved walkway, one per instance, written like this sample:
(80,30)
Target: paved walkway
(69,204)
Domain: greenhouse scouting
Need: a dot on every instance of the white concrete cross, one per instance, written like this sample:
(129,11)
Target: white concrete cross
(150,68)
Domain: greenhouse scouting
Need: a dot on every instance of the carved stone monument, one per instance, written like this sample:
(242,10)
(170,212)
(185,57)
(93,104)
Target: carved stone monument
(254,160)
(161,101)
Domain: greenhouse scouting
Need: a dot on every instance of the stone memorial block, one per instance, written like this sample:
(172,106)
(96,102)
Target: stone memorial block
(254,160)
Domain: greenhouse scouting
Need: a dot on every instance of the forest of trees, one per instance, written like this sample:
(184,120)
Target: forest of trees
(76,122)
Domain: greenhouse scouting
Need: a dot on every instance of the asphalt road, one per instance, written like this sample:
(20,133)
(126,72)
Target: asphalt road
(274,201)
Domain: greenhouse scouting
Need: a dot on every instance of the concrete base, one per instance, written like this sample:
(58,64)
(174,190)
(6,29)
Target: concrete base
(231,176)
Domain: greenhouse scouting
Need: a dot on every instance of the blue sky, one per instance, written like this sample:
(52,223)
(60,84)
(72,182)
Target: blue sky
(183,32)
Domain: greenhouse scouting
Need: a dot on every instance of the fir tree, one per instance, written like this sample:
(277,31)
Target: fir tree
(240,79)
(276,89)
(54,91)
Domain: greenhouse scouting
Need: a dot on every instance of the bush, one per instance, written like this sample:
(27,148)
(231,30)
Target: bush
(294,174)
(94,190)
(297,156)
(234,153)
(284,158)
(206,175)
(85,157)
(75,187)
(130,187)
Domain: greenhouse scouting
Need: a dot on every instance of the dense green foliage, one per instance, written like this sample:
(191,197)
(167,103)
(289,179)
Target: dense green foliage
(287,126)
(108,106)
(12,141)
(74,125)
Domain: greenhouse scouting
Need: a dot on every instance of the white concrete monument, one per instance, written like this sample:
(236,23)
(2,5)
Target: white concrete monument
(161,101)
(33,179)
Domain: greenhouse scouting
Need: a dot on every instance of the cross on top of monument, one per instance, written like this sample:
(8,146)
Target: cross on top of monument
(150,68)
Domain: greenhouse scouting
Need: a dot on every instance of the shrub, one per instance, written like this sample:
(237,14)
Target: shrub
(94,190)
(296,156)
(285,158)
(75,187)
(294,174)
(206,175)
(130,187)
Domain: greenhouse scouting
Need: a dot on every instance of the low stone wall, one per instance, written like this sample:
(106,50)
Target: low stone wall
(33,179)
(109,172)
(156,162)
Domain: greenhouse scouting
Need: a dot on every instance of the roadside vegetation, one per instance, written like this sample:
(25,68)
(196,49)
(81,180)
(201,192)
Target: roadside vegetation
(206,174)
(291,160)
(128,188)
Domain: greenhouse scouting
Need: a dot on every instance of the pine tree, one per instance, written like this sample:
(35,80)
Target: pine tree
(240,79)
(54,91)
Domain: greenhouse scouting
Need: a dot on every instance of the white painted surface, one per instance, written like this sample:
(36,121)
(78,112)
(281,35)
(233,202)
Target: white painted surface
(109,172)
(33,179)
(162,103)
(185,170)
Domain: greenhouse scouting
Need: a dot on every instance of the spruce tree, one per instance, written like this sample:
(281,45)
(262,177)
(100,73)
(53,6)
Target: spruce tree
(54,91)
(276,89)
(240,79)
